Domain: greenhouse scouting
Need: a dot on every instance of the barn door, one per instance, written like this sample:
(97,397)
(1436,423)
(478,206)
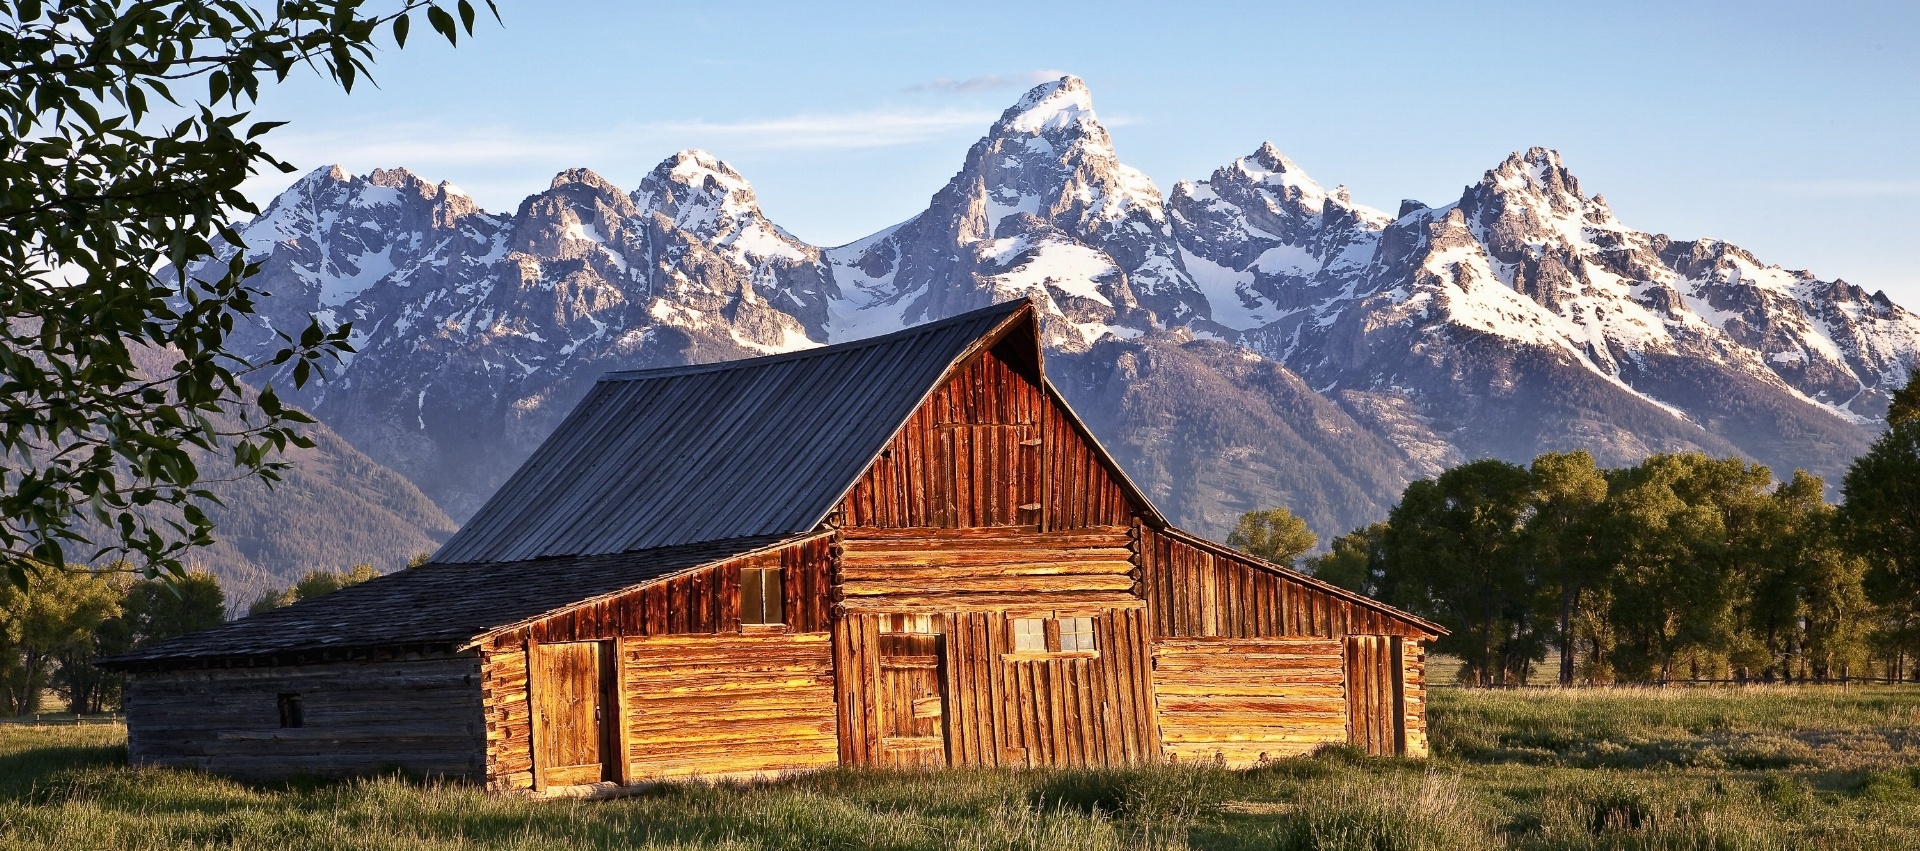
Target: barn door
(1376,695)
(911,701)
(570,713)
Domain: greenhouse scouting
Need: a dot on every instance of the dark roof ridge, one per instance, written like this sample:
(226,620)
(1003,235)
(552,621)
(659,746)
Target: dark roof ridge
(1005,308)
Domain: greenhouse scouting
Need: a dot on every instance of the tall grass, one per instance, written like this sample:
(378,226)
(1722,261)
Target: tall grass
(1751,768)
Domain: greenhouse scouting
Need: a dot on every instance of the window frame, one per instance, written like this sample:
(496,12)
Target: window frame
(293,710)
(1083,640)
(768,586)
(1028,632)
(1054,626)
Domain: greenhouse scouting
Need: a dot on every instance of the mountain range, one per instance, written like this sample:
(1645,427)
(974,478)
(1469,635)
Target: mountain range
(1246,340)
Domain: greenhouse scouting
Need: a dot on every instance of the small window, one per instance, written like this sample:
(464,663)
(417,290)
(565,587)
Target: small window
(760,595)
(1076,634)
(1029,635)
(292,714)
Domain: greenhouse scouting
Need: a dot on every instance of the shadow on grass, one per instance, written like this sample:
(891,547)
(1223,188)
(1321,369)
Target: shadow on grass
(27,774)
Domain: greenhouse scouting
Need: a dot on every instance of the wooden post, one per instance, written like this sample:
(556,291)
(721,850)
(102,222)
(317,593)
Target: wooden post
(622,738)
(533,716)
(1397,655)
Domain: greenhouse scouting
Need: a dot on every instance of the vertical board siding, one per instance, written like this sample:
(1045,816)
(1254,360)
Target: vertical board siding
(1081,489)
(570,710)
(966,458)
(1013,712)
(359,718)
(975,456)
(856,649)
(706,600)
(1197,592)
(729,705)
(1240,702)
(1375,709)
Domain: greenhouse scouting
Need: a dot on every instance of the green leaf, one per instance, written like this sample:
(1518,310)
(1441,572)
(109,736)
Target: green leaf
(443,24)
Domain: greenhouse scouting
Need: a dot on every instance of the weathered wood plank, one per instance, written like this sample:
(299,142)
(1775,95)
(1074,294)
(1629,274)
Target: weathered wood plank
(357,716)
(1238,701)
(730,703)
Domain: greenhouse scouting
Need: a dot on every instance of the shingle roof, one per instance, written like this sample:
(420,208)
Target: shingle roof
(765,446)
(433,604)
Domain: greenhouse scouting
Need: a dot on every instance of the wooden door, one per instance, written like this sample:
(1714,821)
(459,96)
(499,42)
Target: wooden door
(1376,695)
(911,701)
(570,709)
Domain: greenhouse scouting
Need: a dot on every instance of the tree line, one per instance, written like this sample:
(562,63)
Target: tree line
(1681,566)
(55,626)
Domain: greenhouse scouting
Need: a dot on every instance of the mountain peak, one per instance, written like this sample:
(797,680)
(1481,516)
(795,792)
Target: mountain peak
(1269,156)
(1269,167)
(1056,105)
(697,189)
(582,177)
(702,172)
(1537,170)
(395,178)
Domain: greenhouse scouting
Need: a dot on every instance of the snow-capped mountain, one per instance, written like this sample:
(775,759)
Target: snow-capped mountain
(1250,339)
(1042,207)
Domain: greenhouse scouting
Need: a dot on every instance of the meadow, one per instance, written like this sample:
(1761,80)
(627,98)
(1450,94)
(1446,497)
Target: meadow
(1760,767)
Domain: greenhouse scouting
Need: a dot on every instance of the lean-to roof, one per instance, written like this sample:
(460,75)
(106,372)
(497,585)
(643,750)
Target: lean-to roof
(436,606)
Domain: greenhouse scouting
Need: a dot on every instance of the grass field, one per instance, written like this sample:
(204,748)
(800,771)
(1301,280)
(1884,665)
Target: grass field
(1759,767)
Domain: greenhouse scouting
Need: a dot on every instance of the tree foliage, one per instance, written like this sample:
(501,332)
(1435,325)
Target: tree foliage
(1454,548)
(314,584)
(54,613)
(1273,534)
(127,138)
(1880,515)
(54,629)
(1353,560)
(1680,566)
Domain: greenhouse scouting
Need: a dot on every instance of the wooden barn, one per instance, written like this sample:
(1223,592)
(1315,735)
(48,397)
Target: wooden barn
(901,551)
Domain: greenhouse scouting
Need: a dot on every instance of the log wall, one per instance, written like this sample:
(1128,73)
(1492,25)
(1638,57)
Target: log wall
(707,705)
(704,602)
(947,570)
(1239,702)
(508,717)
(422,714)
(1414,662)
(1199,590)
(1009,709)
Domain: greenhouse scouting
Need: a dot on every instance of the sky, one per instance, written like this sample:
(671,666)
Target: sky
(1790,129)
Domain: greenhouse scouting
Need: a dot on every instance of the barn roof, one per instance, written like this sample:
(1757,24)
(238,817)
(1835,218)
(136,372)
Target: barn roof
(434,605)
(766,446)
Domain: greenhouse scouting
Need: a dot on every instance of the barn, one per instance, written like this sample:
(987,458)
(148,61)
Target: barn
(904,551)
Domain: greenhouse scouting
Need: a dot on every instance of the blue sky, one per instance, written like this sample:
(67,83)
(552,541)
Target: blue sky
(1790,129)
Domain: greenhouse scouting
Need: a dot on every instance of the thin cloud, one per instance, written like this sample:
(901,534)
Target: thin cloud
(493,162)
(1857,188)
(845,130)
(430,143)
(987,82)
